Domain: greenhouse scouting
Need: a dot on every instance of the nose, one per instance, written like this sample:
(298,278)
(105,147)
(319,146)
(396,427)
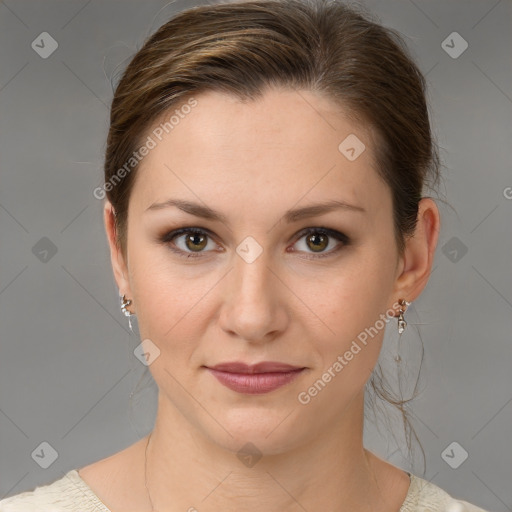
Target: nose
(253,307)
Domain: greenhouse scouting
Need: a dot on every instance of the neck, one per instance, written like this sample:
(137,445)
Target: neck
(186,470)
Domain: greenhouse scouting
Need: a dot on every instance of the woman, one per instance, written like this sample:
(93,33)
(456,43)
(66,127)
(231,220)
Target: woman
(263,179)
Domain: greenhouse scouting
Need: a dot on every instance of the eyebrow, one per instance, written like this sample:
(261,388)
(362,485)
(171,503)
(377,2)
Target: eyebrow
(290,216)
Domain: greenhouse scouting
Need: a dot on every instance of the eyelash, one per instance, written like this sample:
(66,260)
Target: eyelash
(341,237)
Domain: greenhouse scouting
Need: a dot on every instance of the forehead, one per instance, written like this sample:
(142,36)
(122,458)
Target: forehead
(279,148)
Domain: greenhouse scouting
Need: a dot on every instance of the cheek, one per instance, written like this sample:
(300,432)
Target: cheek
(348,356)
(169,313)
(157,283)
(175,309)
(349,305)
(347,297)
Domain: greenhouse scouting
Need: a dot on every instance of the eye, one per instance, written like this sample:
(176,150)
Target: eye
(317,240)
(189,241)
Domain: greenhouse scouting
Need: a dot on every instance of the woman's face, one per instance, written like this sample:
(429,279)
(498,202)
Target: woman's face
(255,286)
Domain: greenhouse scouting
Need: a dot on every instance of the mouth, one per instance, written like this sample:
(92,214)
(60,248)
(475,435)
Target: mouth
(255,379)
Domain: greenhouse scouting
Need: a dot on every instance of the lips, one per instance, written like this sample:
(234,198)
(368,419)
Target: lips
(264,367)
(254,379)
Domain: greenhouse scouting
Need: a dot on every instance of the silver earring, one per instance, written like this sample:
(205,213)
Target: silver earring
(402,324)
(124,303)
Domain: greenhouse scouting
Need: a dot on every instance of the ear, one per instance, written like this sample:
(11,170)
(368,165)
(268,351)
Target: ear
(116,257)
(415,265)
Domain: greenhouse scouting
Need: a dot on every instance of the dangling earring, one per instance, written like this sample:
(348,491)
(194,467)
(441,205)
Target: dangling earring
(402,324)
(124,303)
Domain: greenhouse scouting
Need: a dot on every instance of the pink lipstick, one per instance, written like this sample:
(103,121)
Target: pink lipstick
(254,379)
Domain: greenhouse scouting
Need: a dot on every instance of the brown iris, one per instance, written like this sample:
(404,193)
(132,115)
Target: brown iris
(198,242)
(320,241)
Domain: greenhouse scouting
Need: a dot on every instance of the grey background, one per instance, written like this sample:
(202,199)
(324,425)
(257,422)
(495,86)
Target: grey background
(67,363)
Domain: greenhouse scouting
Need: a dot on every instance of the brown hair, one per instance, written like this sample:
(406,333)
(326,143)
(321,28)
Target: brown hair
(243,47)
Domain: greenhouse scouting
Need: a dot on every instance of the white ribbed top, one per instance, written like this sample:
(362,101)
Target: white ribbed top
(72,494)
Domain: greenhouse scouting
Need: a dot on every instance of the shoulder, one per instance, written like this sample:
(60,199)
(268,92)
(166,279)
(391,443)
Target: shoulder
(425,496)
(68,494)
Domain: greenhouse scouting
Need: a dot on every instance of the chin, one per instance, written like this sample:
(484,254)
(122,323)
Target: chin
(270,432)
